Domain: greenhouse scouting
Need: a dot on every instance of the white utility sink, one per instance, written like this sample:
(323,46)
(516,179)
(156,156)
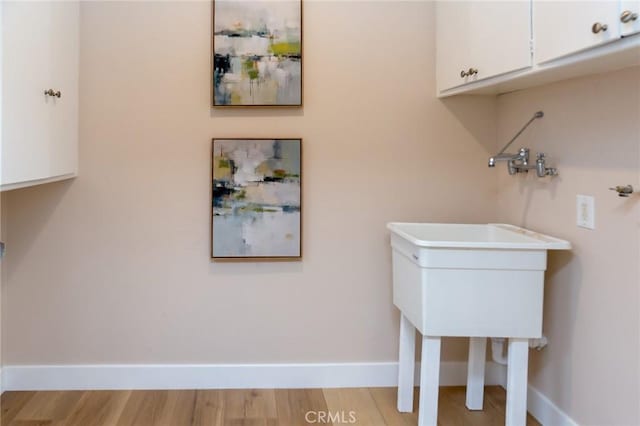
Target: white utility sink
(477,281)
(492,235)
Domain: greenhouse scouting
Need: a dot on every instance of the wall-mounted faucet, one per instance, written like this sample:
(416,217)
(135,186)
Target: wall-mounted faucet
(501,155)
(521,159)
(519,163)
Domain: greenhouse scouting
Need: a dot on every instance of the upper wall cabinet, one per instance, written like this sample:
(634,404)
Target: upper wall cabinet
(561,27)
(490,48)
(39,92)
(478,40)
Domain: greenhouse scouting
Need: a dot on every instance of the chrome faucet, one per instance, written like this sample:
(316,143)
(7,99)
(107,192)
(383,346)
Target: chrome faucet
(501,155)
(520,159)
(519,163)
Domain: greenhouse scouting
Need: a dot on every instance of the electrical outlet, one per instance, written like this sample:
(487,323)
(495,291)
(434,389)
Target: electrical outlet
(586,212)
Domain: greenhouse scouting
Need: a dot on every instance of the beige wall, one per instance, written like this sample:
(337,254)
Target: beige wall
(113,267)
(591,130)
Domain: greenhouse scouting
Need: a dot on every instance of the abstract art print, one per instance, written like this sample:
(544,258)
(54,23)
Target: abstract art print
(257,53)
(256,199)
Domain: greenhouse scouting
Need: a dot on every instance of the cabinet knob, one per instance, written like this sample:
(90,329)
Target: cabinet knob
(597,27)
(52,92)
(468,73)
(628,16)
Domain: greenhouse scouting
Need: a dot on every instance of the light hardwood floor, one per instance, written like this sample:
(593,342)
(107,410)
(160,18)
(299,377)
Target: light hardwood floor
(260,407)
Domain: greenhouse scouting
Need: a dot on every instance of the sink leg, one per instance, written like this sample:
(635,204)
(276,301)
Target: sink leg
(429,381)
(406,365)
(518,360)
(475,373)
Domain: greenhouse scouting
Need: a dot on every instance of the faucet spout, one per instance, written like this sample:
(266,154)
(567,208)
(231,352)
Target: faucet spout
(502,157)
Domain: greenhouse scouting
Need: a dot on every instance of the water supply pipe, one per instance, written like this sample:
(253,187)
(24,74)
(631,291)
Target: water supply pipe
(499,352)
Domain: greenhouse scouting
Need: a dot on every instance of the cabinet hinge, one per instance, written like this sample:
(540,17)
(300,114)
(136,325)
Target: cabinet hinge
(531,46)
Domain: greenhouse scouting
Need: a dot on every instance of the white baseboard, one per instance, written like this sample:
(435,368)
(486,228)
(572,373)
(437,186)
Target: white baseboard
(254,376)
(545,411)
(224,376)
(539,406)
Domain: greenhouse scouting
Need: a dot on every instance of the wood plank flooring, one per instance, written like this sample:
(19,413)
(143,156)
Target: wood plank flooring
(257,407)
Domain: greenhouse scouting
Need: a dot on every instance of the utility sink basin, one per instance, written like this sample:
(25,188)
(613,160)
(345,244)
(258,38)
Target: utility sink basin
(492,235)
(470,280)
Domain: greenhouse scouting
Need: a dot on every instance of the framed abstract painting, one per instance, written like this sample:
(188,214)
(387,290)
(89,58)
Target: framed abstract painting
(256,199)
(257,53)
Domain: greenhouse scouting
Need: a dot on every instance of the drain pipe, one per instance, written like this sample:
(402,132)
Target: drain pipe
(499,353)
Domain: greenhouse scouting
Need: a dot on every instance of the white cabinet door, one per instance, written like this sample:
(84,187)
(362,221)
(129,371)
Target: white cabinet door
(26,111)
(64,77)
(564,27)
(499,37)
(629,17)
(40,52)
(452,43)
(492,37)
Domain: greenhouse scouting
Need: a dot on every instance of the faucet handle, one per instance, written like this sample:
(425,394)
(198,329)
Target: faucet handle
(541,166)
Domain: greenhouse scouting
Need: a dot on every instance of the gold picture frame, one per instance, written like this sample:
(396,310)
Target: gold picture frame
(256,199)
(257,54)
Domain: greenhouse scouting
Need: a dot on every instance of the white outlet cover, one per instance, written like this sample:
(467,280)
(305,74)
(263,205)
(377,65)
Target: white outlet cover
(585,211)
